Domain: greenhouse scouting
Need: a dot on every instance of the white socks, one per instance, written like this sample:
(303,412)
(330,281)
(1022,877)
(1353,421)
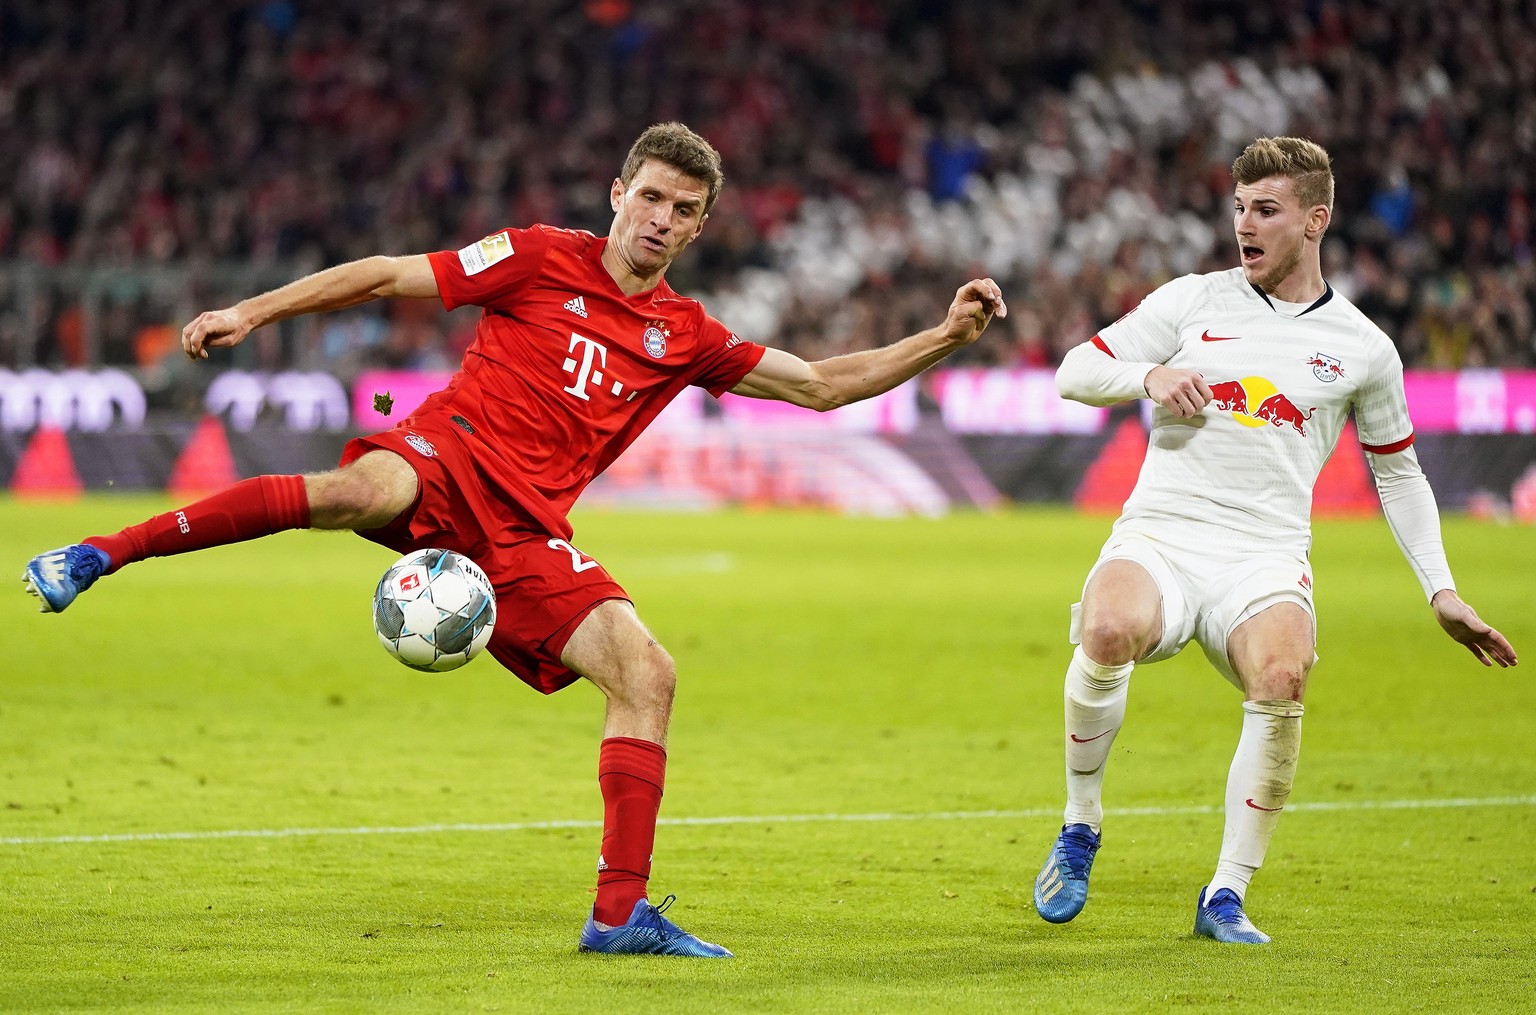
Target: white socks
(1095,707)
(1258,783)
(1257,787)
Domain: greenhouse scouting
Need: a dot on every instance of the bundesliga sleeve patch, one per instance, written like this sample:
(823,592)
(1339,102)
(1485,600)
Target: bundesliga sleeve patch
(481,255)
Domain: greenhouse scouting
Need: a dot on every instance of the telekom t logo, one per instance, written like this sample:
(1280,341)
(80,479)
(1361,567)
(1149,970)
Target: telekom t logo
(594,359)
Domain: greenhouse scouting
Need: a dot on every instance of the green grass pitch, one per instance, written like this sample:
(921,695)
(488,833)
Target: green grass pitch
(865,775)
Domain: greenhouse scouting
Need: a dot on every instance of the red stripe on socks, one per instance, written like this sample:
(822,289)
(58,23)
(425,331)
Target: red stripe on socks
(250,508)
(631,774)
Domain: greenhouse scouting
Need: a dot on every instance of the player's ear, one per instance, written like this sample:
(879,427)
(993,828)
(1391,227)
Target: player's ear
(1317,221)
(616,193)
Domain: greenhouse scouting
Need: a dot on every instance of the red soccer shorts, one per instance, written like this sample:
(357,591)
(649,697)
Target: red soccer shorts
(545,587)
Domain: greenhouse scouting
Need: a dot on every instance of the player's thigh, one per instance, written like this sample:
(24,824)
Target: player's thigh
(613,648)
(1272,651)
(1264,654)
(367,493)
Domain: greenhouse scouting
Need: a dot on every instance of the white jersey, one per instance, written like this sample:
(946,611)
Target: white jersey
(1241,473)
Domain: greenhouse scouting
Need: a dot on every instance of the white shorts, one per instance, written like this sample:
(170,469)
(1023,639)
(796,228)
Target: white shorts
(1206,597)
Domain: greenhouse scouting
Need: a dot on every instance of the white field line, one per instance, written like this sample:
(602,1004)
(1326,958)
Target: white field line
(758,819)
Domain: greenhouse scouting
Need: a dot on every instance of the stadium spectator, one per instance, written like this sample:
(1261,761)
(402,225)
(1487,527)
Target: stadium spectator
(171,131)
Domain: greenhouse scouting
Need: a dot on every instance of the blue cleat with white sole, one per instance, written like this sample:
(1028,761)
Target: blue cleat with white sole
(648,933)
(1061,890)
(58,576)
(1222,919)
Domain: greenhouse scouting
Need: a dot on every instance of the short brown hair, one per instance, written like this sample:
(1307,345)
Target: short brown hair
(1305,163)
(680,148)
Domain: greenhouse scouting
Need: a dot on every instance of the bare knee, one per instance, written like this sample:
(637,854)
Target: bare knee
(1109,646)
(1116,638)
(1122,614)
(612,648)
(646,680)
(1272,652)
(639,685)
(1277,679)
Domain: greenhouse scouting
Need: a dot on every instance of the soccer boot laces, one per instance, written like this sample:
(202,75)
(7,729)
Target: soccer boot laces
(1222,919)
(647,932)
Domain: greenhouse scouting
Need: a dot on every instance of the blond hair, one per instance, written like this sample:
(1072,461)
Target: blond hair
(1305,163)
(683,150)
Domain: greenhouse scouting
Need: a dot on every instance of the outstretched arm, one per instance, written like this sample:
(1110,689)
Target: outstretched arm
(829,383)
(345,285)
(1409,504)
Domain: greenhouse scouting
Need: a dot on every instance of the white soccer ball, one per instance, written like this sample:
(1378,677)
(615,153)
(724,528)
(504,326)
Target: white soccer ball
(434,610)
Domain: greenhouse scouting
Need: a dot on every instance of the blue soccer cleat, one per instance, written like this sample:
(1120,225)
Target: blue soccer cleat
(1222,919)
(648,933)
(1061,890)
(58,576)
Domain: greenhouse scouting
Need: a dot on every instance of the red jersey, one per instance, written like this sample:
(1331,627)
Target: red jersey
(566,370)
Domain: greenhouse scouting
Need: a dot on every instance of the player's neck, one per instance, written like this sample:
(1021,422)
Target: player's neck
(1303,284)
(1298,287)
(629,281)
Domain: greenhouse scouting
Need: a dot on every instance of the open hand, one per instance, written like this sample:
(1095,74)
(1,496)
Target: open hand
(1461,622)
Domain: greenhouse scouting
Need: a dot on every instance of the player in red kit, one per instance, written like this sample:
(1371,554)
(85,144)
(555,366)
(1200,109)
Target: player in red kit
(582,343)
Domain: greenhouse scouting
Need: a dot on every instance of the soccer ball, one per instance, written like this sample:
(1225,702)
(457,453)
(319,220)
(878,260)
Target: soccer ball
(434,610)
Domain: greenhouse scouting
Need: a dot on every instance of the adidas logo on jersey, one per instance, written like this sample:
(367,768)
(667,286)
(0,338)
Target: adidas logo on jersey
(578,306)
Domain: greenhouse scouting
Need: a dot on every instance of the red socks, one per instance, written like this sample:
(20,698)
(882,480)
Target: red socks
(250,508)
(631,773)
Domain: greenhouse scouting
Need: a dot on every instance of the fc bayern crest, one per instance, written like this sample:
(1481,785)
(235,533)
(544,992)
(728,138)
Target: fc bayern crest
(655,340)
(421,444)
(1325,367)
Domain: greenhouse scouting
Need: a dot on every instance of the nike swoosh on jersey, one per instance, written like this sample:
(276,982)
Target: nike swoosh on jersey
(1208,337)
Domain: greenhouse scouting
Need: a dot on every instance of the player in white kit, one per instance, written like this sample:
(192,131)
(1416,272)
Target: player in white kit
(1254,372)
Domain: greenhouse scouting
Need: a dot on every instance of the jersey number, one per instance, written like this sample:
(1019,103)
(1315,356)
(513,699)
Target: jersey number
(577,564)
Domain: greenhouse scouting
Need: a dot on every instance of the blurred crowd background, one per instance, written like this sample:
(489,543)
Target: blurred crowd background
(167,156)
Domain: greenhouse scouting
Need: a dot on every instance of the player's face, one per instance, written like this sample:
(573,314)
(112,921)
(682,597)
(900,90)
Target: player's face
(1271,228)
(655,216)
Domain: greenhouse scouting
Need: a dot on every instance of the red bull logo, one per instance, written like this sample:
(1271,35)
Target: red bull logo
(1279,410)
(1229,396)
(1256,402)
